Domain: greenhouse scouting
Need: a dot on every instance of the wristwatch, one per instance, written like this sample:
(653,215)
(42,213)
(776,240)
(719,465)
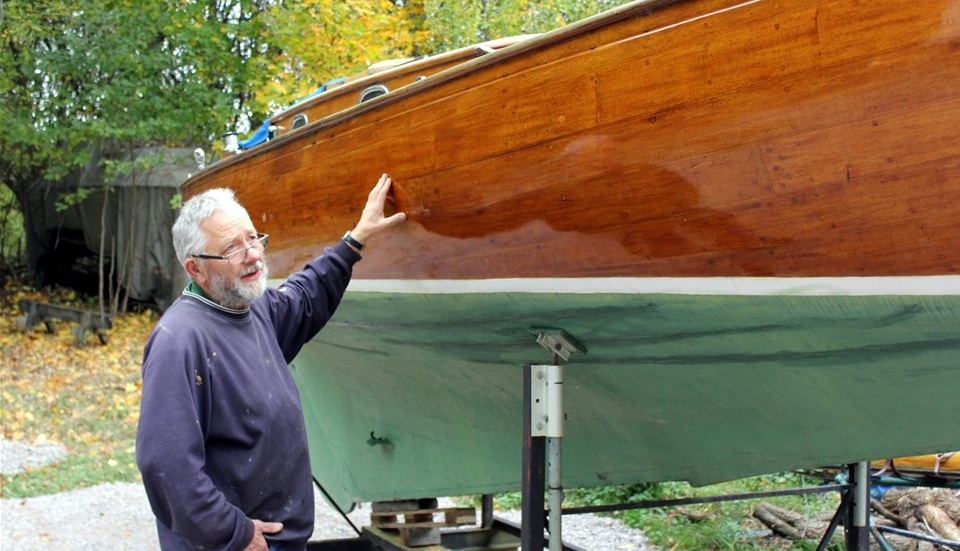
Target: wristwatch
(352,242)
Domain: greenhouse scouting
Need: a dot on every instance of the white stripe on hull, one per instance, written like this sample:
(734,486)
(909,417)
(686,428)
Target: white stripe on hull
(736,286)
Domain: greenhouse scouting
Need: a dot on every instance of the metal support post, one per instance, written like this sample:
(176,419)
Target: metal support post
(532,485)
(546,423)
(553,421)
(555,492)
(857,524)
(543,420)
(486,511)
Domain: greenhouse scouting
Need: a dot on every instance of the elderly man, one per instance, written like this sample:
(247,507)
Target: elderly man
(221,442)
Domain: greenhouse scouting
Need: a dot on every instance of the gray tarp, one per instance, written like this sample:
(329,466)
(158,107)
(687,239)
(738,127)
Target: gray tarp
(137,219)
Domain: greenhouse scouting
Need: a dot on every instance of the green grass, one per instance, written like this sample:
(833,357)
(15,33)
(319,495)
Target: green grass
(75,471)
(706,527)
(727,525)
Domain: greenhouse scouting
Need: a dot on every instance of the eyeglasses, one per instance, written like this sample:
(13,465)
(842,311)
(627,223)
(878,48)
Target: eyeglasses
(240,255)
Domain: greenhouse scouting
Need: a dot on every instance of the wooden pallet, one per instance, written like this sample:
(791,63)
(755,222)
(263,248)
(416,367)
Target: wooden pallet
(419,520)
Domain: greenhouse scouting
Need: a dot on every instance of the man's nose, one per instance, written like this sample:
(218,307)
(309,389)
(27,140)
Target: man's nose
(254,254)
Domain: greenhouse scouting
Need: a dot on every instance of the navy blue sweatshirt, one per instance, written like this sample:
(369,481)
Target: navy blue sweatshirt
(221,437)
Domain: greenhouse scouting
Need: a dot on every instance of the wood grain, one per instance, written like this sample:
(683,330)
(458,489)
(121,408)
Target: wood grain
(709,138)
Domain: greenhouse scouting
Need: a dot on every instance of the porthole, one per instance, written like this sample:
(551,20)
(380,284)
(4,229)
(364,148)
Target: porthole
(372,92)
(298,121)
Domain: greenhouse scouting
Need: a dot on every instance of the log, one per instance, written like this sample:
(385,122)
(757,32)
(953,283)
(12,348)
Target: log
(788,523)
(923,511)
(916,525)
(940,522)
(949,501)
(907,502)
(767,514)
(886,513)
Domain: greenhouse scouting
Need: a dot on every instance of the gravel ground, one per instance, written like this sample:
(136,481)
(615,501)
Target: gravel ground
(117,516)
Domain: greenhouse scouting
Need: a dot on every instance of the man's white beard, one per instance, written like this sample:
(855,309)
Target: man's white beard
(237,294)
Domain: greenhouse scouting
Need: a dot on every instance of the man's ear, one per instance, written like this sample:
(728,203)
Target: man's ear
(192,265)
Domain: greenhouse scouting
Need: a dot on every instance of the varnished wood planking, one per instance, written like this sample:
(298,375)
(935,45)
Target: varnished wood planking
(728,145)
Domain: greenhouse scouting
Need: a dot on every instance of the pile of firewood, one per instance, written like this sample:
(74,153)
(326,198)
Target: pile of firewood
(931,512)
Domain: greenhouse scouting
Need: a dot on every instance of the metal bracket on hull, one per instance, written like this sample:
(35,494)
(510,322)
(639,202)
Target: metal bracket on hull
(546,393)
(543,419)
(558,342)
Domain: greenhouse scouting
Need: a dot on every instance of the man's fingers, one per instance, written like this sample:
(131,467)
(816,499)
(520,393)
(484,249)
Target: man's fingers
(382,185)
(374,219)
(395,219)
(268,527)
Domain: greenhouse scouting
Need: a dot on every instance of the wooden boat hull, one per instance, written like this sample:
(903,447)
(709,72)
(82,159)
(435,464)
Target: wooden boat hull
(744,210)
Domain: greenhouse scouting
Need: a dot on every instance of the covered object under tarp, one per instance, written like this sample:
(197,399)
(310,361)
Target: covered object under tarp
(136,212)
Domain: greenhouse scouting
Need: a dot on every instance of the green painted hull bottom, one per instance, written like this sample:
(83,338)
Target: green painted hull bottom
(672,387)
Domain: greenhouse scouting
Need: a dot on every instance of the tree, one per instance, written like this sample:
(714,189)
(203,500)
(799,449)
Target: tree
(457,24)
(82,75)
(321,40)
(117,76)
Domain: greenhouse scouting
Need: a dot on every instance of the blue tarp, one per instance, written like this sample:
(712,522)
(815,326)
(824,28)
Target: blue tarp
(263,133)
(258,137)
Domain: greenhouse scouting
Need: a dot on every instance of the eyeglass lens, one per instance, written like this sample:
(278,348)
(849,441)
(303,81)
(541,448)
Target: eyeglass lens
(236,257)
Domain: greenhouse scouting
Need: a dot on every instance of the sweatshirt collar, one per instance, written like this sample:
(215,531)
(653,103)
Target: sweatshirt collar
(197,292)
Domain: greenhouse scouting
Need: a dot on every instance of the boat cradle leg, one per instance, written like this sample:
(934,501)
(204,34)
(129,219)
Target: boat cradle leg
(534,467)
(857,522)
(545,412)
(553,421)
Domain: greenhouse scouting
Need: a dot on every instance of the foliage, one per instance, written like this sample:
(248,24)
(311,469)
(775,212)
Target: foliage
(77,73)
(86,399)
(457,24)
(328,39)
(78,77)
(11,232)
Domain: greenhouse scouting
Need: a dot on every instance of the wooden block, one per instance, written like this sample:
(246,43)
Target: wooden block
(424,518)
(419,521)
(418,537)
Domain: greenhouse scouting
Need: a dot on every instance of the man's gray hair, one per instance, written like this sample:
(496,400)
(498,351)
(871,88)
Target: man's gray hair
(187,237)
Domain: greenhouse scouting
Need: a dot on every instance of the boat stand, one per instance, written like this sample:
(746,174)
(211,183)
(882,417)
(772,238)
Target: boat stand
(854,510)
(543,417)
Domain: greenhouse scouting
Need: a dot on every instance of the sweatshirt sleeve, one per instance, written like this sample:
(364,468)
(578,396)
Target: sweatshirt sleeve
(170,445)
(307,300)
